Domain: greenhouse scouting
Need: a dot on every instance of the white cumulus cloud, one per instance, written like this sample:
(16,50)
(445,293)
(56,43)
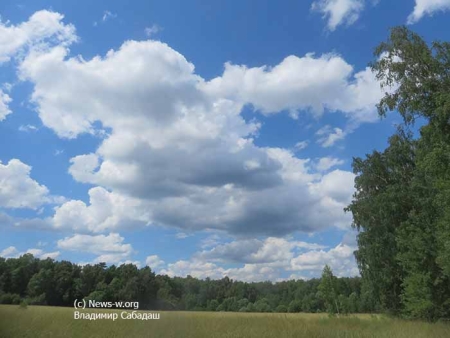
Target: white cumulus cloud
(267,260)
(5,99)
(18,189)
(106,211)
(309,83)
(339,12)
(109,248)
(154,261)
(269,250)
(340,259)
(12,252)
(42,26)
(328,136)
(427,7)
(176,150)
(326,163)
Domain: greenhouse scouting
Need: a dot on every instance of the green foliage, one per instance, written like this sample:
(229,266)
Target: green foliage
(10,298)
(343,304)
(250,307)
(263,305)
(281,309)
(327,291)
(212,305)
(39,300)
(295,306)
(353,303)
(60,283)
(402,202)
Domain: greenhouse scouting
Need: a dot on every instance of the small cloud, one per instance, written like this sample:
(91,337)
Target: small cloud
(52,255)
(7,86)
(28,128)
(326,163)
(338,12)
(107,15)
(427,8)
(154,261)
(329,136)
(5,100)
(101,133)
(149,31)
(181,235)
(301,145)
(56,199)
(12,252)
(296,276)
(9,252)
(210,241)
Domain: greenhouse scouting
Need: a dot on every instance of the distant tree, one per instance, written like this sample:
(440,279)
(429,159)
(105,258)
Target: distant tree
(281,309)
(353,303)
(41,288)
(343,304)
(190,301)
(242,303)
(213,305)
(295,306)
(251,307)
(327,290)
(59,283)
(262,305)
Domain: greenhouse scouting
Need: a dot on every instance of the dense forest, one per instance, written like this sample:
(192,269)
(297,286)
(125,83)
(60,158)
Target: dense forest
(402,202)
(48,282)
(401,210)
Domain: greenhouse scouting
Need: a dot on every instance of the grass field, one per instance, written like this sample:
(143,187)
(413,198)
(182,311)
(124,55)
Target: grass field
(42,321)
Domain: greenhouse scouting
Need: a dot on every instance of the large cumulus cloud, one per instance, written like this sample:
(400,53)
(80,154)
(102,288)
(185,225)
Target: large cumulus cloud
(176,150)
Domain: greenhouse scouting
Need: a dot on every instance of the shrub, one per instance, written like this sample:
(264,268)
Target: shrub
(281,308)
(295,306)
(9,298)
(16,299)
(39,300)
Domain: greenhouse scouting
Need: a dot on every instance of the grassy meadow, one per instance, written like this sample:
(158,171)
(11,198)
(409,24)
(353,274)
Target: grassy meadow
(42,321)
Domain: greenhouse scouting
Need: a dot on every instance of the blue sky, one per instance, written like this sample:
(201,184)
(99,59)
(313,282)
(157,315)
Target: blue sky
(208,138)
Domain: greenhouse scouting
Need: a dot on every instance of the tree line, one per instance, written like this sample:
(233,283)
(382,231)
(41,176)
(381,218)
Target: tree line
(58,283)
(402,202)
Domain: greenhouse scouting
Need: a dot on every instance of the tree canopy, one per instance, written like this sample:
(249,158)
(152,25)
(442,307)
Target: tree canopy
(49,282)
(402,201)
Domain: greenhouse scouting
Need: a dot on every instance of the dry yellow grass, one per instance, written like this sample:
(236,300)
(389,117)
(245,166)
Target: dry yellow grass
(42,321)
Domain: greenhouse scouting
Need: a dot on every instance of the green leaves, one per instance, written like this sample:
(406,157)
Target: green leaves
(327,290)
(402,202)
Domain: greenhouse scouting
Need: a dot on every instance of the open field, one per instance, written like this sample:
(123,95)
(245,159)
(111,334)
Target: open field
(44,321)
